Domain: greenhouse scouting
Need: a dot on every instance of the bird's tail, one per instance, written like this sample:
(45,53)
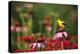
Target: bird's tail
(66,25)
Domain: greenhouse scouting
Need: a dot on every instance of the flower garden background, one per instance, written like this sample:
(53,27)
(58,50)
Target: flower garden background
(43,27)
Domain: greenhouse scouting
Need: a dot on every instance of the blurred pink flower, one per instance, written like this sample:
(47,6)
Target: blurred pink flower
(60,35)
(18,29)
(48,27)
(13,28)
(37,45)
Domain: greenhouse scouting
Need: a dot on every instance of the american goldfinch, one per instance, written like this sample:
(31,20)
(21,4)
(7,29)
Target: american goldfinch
(61,23)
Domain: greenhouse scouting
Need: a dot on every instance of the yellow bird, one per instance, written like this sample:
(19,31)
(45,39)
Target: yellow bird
(61,23)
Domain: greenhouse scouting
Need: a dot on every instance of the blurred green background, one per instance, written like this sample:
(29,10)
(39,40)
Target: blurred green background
(67,13)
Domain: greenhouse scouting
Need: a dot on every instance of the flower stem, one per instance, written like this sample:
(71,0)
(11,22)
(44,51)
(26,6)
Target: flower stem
(18,36)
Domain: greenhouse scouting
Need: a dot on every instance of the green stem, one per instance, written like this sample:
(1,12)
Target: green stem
(18,36)
(40,27)
(54,25)
(23,23)
(22,19)
(30,28)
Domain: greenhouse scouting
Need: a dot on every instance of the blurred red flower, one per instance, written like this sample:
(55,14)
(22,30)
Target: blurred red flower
(28,38)
(31,50)
(48,49)
(67,44)
(43,38)
(16,27)
(18,50)
(49,44)
(75,46)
